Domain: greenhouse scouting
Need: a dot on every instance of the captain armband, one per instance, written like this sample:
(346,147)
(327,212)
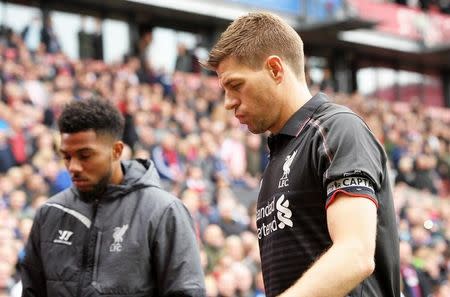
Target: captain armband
(356,186)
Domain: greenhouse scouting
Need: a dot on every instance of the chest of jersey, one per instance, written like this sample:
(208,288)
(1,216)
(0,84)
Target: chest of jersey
(290,215)
(291,190)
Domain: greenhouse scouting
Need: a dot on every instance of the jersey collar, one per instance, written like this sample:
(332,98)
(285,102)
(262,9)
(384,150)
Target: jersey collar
(297,121)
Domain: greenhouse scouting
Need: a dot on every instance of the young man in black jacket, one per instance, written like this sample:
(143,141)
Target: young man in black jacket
(115,231)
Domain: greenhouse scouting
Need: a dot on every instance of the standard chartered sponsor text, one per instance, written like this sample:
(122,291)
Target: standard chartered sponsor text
(273,221)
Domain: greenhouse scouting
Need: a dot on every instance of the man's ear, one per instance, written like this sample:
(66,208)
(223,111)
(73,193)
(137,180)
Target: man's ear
(275,67)
(117,150)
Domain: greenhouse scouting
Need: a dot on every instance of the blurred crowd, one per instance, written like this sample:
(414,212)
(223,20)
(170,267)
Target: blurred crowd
(205,157)
(426,5)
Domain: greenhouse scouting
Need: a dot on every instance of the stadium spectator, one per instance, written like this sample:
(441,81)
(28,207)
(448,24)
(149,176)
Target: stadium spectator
(245,280)
(31,34)
(414,282)
(91,44)
(6,154)
(48,36)
(167,159)
(214,241)
(185,60)
(229,218)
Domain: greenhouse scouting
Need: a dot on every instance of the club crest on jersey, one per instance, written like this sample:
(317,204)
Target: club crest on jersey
(118,234)
(284,180)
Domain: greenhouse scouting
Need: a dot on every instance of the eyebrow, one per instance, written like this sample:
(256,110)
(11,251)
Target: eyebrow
(81,150)
(229,81)
(225,82)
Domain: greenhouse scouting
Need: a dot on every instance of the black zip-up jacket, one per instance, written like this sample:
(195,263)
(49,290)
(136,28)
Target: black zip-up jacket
(136,240)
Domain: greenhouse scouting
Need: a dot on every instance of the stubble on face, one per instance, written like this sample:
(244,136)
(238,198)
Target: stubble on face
(263,115)
(258,127)
(256,104)
(99,188)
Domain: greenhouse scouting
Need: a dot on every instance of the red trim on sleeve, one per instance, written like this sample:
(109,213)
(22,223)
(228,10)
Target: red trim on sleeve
(333,197)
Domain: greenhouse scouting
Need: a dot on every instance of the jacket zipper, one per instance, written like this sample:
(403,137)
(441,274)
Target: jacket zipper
(85,251)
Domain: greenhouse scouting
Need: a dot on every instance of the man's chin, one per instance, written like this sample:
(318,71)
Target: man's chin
(90,193)
(84,188)
(86,194)
(255,130)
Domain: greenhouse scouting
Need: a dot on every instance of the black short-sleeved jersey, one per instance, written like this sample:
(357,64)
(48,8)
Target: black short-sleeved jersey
(323,149)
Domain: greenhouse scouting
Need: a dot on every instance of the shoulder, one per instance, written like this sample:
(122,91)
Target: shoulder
(334,119)
(62,197)
(330,113)
(62,200)
(65,198)
(338,126)
(155,198)
(163,209)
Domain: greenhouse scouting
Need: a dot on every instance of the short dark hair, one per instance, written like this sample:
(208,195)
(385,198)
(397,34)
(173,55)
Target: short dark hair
(253,37)
(96,114)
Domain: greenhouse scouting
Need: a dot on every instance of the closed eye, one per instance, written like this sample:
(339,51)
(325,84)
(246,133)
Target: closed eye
(84,157)
(236,87)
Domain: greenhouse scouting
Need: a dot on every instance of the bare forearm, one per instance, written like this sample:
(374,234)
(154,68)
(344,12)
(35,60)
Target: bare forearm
(334,274)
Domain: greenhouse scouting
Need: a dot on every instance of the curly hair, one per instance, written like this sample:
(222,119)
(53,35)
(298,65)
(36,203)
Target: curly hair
(96,114)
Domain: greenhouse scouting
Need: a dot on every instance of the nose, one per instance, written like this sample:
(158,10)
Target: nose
(74,166)
(230,102)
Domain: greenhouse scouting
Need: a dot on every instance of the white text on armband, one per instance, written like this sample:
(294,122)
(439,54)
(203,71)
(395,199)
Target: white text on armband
(357,182)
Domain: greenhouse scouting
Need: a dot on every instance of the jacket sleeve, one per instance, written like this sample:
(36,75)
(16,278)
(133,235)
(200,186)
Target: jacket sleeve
(31,269)
(176,258)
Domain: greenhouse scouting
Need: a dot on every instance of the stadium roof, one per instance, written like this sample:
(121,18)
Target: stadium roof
(356,34)
(360,37)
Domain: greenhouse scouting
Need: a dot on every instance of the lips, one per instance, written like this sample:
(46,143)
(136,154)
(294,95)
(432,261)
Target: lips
(80,183)
(240,117)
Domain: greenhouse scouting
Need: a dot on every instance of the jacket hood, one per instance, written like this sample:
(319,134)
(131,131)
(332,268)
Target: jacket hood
(138,174)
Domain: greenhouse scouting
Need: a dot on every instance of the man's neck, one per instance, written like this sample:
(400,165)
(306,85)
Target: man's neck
(297,94)
(118,174)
